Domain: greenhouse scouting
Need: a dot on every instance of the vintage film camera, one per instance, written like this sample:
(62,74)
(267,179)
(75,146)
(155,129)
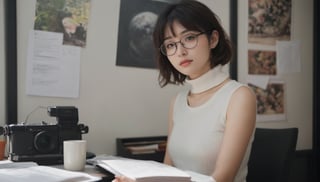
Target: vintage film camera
(43,143)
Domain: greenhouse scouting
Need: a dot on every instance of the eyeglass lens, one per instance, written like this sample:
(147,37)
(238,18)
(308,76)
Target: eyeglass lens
(189,41)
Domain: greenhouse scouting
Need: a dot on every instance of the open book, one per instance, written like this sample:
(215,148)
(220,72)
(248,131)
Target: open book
(145,170)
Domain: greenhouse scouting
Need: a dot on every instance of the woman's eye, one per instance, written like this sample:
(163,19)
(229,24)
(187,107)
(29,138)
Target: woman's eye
(189,38)
(170,46)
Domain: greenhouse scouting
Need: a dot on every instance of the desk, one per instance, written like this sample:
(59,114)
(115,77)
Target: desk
(89,169)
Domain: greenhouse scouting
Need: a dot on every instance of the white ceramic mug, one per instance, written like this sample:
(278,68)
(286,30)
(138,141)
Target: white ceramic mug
(74,154)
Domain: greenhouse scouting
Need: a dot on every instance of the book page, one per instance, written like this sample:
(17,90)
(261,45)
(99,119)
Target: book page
(139,169)
(195,177)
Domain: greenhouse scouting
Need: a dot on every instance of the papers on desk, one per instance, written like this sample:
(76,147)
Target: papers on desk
(7,164)
(22,172)
(144,171)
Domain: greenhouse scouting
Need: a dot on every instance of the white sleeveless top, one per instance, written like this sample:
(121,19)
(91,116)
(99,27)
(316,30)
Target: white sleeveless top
(198,131)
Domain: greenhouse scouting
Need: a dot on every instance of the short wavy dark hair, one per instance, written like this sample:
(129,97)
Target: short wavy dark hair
(194,16)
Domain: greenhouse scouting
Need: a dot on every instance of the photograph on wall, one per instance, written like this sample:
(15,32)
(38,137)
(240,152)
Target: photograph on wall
(262,62)
(136,24)
(270,101)
(69,17)
(268,21)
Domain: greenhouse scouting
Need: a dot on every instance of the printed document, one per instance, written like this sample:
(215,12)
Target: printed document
(53,69)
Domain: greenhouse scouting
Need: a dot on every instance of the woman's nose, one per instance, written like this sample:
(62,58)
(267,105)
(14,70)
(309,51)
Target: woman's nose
(181,50)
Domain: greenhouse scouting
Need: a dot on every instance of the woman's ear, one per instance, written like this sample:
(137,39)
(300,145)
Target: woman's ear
(214,39)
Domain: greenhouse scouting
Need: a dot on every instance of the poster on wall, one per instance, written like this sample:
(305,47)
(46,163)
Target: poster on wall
(270,101)
(136,24)
(69,17)
(53,69)
(262,62)
(268,21)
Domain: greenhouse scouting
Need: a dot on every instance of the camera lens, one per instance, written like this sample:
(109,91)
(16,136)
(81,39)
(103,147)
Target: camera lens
(45,142)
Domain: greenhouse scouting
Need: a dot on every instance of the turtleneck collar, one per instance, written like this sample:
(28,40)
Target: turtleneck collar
(208,80)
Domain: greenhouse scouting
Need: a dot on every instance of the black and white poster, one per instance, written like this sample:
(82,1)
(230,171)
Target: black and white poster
(136,24)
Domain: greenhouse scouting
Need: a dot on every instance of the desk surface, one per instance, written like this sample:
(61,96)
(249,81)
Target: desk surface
(89,169)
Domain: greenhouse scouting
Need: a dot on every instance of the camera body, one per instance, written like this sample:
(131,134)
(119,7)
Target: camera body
(43,143)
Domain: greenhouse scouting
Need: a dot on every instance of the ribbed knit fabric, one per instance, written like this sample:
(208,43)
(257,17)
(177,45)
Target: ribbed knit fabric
(210,79)
(198,131)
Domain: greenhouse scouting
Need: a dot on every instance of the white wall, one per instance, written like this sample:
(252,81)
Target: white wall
(2,66)
(127,102)
(114,101)
(298,85)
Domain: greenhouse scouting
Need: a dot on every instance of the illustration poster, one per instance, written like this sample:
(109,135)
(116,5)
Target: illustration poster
(262,62)
(136,25)
(69,17)
(270,101)
(269,20)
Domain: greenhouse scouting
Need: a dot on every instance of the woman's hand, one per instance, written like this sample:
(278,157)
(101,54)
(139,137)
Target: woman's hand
(122,179)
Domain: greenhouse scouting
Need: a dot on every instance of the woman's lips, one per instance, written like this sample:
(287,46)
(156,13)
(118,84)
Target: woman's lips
(185,63)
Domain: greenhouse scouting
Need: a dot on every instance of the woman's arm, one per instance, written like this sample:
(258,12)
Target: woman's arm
(167,158)
(240,124)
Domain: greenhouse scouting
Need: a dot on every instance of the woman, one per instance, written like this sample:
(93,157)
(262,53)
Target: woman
(210,125)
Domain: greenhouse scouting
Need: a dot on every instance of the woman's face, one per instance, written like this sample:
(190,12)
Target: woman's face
(191,62)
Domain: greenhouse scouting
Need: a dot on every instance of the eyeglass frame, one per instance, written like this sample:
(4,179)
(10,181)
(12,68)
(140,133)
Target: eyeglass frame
(182,44)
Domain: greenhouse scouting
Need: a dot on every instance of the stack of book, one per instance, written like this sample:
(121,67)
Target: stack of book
(143,148)
(146,147)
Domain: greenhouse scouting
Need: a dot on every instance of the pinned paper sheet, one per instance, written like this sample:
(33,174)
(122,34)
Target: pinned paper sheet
(52,68)
(259,81)
(288,56)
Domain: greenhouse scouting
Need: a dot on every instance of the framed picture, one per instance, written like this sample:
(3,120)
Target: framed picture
(263,23)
